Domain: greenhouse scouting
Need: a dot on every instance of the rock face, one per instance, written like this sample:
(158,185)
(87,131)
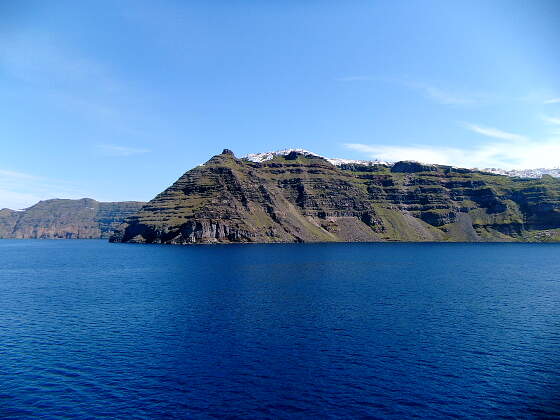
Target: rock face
(300,197)
(66,219)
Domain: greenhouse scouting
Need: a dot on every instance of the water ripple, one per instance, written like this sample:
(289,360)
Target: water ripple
(95,330)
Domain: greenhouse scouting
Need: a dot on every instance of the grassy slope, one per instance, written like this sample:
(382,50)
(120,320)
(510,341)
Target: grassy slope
(308,199)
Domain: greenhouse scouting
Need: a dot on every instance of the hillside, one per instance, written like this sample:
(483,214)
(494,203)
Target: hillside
(68,219)
(302,197)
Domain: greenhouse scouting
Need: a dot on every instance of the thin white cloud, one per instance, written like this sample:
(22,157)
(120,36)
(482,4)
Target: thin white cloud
(17,201)
(67,79)
(34,59)
(494,132)
(434,93)
(13,174)
(506,150)
(114,150)
(20,190)
(443,96)
(419,153)
(61,77)
(448,97)
(552,101)
(528,155)
(551,120)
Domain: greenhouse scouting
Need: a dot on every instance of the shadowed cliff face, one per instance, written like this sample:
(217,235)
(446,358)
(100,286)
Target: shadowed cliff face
(297,198)
(66,219)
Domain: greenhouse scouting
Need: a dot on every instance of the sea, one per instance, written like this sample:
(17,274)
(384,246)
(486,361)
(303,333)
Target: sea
(90,329)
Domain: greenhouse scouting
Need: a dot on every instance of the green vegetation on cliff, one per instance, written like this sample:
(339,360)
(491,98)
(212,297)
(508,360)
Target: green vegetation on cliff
(304,198)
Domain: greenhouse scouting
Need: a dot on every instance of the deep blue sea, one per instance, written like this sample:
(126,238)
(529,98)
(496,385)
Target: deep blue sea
(90,329)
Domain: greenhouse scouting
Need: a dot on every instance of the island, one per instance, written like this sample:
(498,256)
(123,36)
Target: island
(299,196)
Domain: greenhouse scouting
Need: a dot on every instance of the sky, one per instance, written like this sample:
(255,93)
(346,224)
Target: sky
(114,100)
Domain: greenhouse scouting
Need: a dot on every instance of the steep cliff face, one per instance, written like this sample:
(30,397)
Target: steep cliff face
(68,219)
(8,219)
(300,197)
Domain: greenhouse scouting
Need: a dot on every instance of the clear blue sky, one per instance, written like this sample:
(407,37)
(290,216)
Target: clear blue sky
(116,99)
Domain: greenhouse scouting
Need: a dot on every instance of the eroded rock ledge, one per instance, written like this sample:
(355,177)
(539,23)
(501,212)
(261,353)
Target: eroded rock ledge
(302,197)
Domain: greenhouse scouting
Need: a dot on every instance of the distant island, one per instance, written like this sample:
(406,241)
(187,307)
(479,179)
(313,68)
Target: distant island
(299,196)
(66,219)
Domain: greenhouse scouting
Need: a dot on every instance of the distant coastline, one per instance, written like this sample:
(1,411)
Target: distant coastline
(66,219)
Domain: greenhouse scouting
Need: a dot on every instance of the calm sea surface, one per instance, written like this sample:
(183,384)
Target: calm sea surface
(99,330)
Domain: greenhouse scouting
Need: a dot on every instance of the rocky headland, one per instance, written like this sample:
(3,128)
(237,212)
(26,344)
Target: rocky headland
(298,196)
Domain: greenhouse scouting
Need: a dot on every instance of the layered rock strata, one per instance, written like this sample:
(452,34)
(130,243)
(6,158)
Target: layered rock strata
(301,197)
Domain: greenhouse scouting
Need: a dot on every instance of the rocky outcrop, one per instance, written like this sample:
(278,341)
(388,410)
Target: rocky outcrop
(412,167)
(66,219)
(302,197)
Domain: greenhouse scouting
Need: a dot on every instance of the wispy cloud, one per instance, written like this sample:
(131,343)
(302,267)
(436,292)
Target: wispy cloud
(434,93)
(64,78)
(552,101)
(448,96)
(494,132)
(444,156)
(13,174)
(444,97)
(36,59)
(114,150)
(551,120)
(20,190)
(507,150)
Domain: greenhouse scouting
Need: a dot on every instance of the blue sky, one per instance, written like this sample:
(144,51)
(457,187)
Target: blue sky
(115,100)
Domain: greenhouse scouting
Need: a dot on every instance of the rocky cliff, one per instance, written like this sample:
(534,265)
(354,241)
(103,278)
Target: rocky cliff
(302,197)
(67,219)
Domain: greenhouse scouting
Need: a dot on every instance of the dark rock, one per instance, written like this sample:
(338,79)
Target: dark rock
(412,167)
